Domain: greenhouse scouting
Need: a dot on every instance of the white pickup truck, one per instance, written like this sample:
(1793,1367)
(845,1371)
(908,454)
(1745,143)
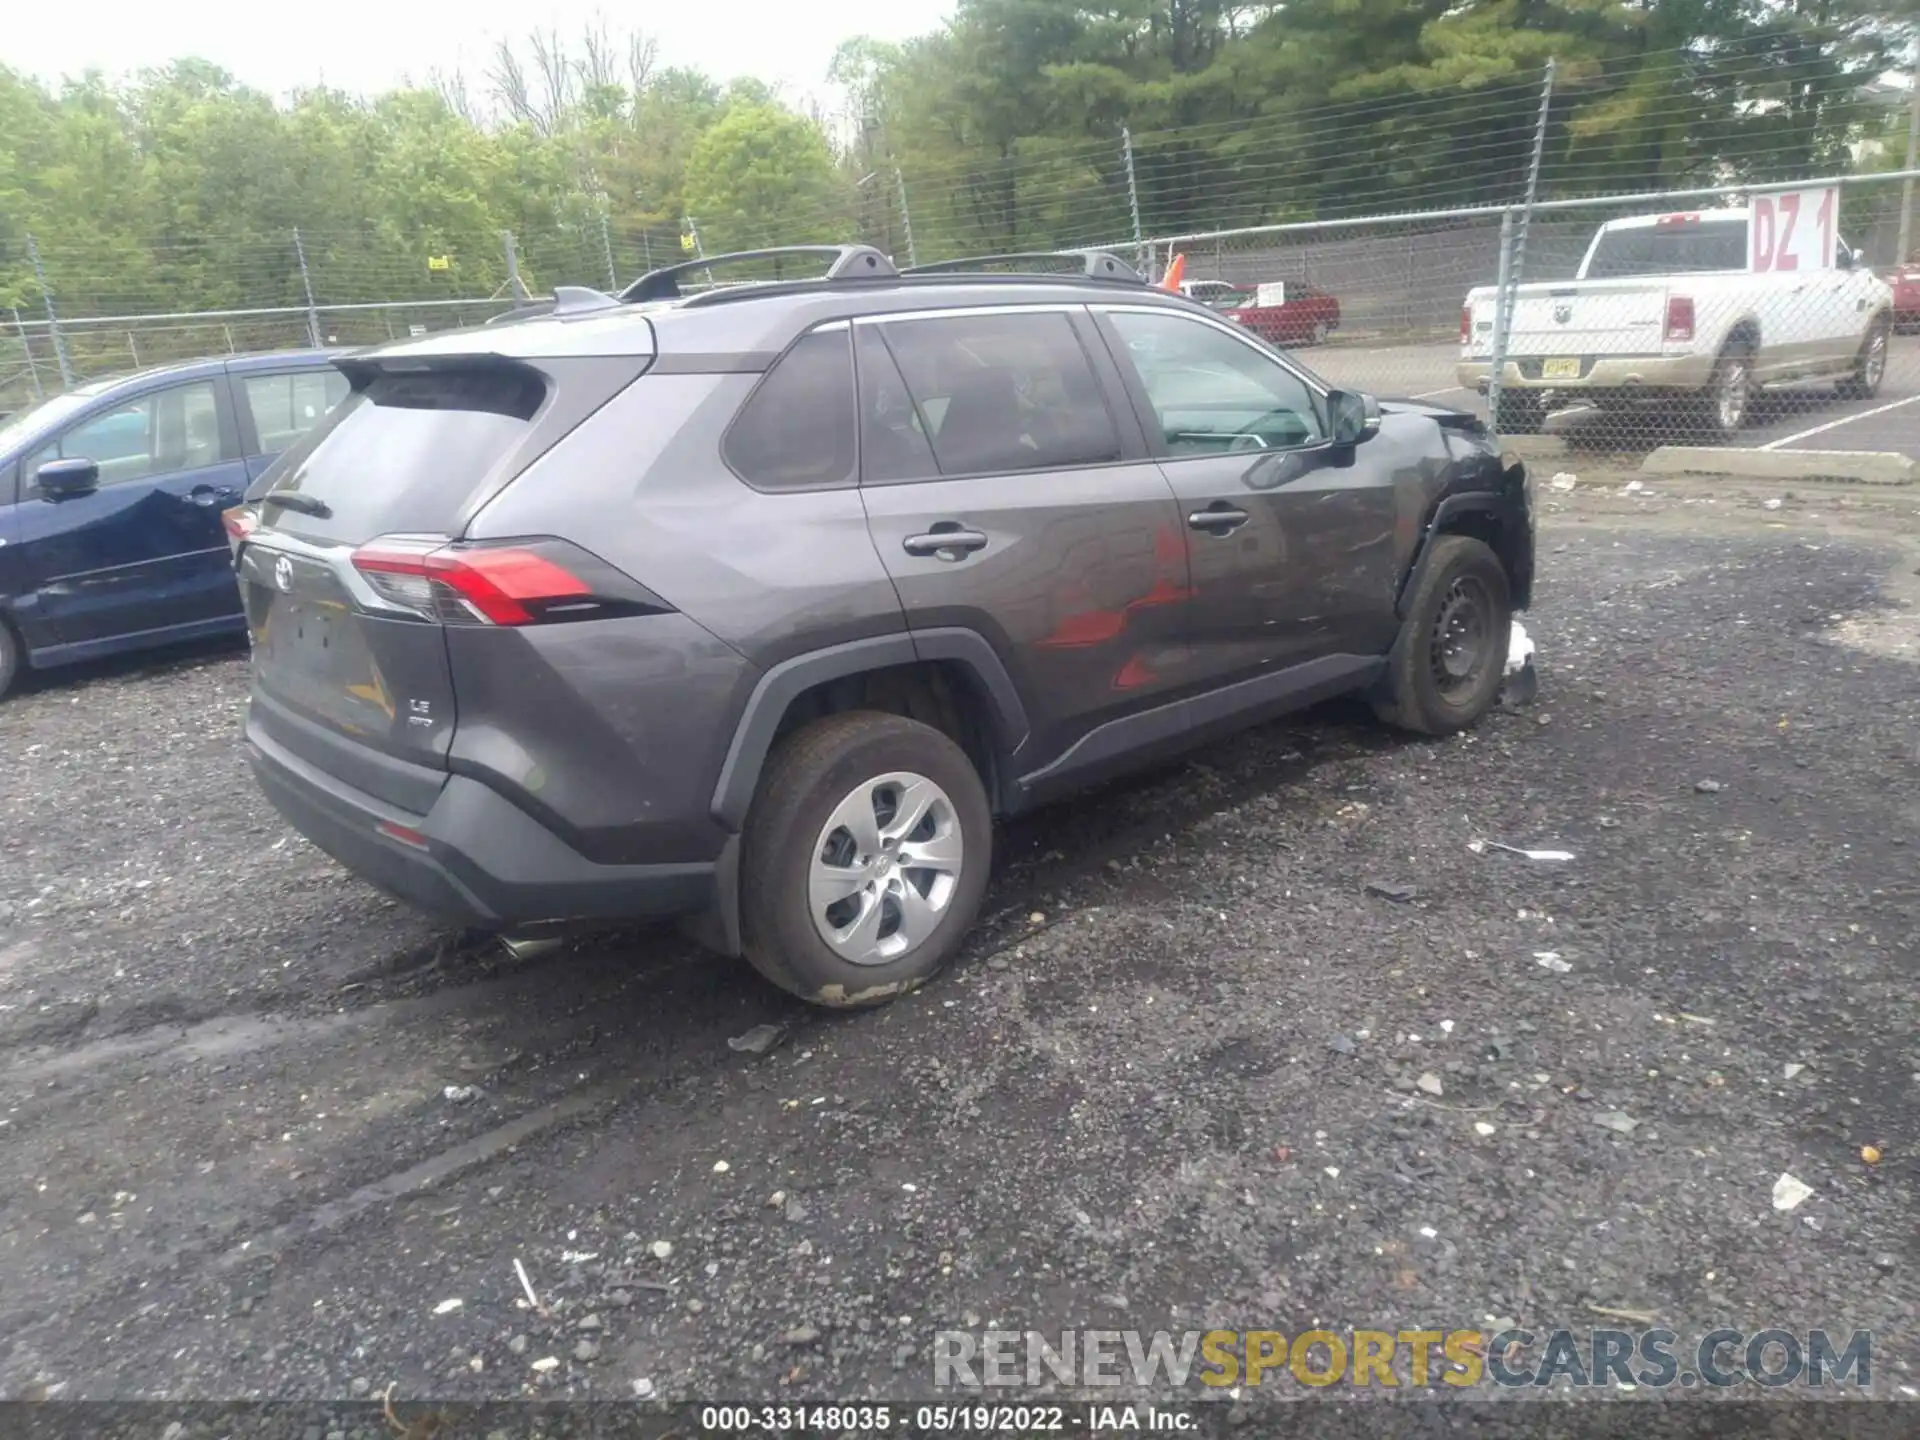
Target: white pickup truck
(1664,309)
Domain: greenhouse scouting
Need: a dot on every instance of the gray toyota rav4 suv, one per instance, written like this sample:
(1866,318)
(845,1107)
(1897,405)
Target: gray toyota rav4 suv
(758,604)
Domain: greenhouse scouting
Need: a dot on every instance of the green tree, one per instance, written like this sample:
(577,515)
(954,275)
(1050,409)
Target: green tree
(763,176)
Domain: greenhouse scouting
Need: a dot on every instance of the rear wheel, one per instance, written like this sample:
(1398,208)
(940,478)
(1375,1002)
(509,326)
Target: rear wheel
(864,859)
(1729,394)
(1445,672)
(1870,365)
(1519,412)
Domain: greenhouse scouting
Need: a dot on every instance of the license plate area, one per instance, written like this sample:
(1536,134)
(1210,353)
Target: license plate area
(1560,369)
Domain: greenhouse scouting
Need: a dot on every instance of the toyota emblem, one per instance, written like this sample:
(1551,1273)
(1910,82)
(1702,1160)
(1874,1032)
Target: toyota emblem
(1562,314)
(283,575)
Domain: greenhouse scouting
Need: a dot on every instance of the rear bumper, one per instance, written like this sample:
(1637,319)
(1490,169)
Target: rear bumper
(479,860)
(1598,372)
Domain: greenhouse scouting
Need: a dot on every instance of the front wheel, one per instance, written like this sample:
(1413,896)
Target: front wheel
(1870,365)
(864,859)
(1445,671)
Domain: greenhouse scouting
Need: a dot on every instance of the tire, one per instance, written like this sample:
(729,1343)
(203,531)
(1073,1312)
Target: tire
(820,776)
(1728,398)
(1422,691)
(1870,365)
(10,657)
(1520,412)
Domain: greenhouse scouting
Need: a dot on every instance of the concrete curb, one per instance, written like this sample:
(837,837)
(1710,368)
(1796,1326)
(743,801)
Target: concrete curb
(1865,467)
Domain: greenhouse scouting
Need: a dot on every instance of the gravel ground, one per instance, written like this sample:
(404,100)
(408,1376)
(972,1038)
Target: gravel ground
(1192,1073)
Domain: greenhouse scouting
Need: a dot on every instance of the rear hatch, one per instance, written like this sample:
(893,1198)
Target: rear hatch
(355,569)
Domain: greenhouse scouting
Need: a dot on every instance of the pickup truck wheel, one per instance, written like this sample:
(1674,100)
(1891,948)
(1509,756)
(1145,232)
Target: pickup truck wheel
(1520,412)
(1729,392)
(1445,670)
(1870,366)
(863,860)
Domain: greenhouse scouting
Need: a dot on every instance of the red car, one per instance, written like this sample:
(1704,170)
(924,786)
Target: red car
(1304,315)
(1905,280)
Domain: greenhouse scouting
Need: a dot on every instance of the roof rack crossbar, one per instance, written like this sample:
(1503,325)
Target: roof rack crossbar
(849,262)
(1094,264)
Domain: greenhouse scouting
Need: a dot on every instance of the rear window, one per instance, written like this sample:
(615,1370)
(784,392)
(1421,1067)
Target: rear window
(1669,250)
(405,452)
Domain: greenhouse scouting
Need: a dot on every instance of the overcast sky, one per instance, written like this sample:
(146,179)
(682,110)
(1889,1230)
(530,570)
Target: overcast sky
(371,45)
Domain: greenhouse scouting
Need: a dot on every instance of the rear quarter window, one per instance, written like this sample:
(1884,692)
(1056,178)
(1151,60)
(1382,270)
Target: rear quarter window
(796,431)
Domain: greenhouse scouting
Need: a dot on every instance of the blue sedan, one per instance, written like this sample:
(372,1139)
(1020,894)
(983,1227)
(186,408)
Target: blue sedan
(111,496)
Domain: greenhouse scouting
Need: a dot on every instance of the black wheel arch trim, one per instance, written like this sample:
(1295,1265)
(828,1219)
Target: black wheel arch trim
(785,682)
(1487,502)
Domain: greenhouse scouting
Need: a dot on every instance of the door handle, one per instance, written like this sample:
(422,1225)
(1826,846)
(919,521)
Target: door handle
(947,541)
(1218,518)
(213,494)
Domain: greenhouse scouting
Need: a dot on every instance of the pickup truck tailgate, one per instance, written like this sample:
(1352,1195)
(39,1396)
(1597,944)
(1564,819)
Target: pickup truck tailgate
(1587,317)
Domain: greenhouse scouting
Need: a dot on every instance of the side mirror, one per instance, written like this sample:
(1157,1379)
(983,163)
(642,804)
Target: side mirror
(66,479)
(1352,416)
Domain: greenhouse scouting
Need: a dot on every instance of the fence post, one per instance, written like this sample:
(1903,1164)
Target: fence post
(1133,194)
(606,246)
(699,250)
(26,347)
(1913,153)
(1502,317)
(1513,252)
(306,284)
(906,218)
(514,282)
(53,320)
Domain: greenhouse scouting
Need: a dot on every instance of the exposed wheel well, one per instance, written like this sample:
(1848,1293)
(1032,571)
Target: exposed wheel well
(942,693)
(1487,527)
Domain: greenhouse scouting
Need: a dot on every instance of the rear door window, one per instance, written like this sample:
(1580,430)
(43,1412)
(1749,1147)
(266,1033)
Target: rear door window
(1004,392)
(893,434)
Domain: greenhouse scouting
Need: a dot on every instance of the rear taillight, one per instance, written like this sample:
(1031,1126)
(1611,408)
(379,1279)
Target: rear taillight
(510,582)
(1466,324)
(240,522)
(1679,318)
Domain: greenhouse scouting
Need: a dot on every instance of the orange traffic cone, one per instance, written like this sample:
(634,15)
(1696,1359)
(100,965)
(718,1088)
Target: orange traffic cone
(1175,273)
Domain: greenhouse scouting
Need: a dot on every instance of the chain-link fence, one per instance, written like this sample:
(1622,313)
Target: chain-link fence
(1474,248)
(1764,318)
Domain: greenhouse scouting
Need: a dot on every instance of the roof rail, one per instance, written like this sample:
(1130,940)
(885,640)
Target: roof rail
(849,262)
(1093,264)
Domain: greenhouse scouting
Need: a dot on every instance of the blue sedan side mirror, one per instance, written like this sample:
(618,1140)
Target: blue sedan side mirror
(66,479)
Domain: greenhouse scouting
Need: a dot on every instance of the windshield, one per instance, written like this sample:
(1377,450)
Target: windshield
(43,416)
(1669,250)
